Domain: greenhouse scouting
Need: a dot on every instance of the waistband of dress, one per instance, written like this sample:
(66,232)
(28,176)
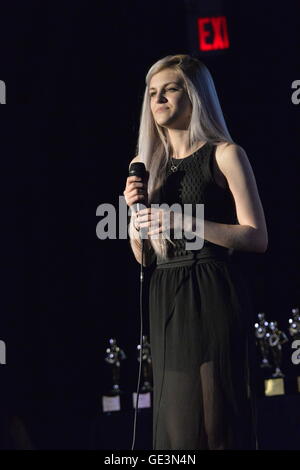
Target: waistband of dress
(202,256)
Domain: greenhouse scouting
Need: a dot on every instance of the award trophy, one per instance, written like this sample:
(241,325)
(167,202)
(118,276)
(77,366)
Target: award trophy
(294,329)
(146,388)
(114,356)
(275,338)
(294,323)
(261,329)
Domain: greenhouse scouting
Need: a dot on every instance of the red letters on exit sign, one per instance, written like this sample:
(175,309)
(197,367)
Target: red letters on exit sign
(212,33)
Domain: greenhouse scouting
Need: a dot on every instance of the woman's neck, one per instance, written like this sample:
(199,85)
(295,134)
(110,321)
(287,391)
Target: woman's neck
(184,151)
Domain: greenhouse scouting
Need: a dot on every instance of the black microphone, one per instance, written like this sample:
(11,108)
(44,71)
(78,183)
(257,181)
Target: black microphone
(139,169)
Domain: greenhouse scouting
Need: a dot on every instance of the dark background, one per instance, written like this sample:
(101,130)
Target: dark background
(79,68)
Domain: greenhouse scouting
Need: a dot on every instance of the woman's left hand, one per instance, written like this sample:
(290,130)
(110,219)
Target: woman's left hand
(160,220)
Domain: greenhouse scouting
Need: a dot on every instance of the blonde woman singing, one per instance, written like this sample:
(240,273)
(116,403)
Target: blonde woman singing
(200,308)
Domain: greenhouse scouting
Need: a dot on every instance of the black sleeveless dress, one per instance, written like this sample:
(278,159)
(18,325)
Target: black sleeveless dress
(201,329)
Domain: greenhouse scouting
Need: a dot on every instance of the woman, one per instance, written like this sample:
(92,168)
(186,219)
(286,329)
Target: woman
(200,309)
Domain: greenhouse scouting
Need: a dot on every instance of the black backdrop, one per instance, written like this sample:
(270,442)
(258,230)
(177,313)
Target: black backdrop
(79,69)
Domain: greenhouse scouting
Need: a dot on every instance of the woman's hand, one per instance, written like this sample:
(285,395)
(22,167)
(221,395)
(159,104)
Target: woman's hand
(159,220)
(136,190)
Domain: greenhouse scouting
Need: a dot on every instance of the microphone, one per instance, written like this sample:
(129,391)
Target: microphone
(139,169)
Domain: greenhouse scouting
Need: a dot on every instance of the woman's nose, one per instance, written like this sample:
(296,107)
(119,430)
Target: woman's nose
(160,98)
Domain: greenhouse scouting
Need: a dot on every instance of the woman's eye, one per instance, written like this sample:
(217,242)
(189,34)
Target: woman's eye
(175,89)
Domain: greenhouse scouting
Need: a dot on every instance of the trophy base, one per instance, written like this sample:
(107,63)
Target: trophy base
(111,403)
(274,387)
(144,400)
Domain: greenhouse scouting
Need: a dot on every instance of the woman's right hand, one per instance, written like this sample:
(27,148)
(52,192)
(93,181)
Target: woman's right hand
(136,190)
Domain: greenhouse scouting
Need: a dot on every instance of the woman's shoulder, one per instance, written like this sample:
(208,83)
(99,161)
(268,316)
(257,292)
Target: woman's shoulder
(227,155)
(225,149)
(231,156)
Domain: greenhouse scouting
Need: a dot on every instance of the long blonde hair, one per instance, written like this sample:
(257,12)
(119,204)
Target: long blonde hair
(207,124)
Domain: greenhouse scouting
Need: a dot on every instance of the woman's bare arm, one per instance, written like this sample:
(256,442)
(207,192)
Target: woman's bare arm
(251,233)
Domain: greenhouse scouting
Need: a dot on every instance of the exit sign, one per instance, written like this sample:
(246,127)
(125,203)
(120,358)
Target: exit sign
(212,33)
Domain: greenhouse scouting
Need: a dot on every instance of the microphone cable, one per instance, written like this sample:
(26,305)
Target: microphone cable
(141,347)
(139,169)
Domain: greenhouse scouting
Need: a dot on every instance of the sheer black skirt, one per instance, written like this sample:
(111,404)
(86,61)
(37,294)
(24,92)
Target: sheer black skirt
(203,352)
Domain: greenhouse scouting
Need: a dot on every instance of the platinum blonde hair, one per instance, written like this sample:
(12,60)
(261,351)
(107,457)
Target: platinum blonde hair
(207,124)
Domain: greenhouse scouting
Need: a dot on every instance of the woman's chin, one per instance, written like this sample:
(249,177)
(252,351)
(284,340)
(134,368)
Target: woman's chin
(163,121)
